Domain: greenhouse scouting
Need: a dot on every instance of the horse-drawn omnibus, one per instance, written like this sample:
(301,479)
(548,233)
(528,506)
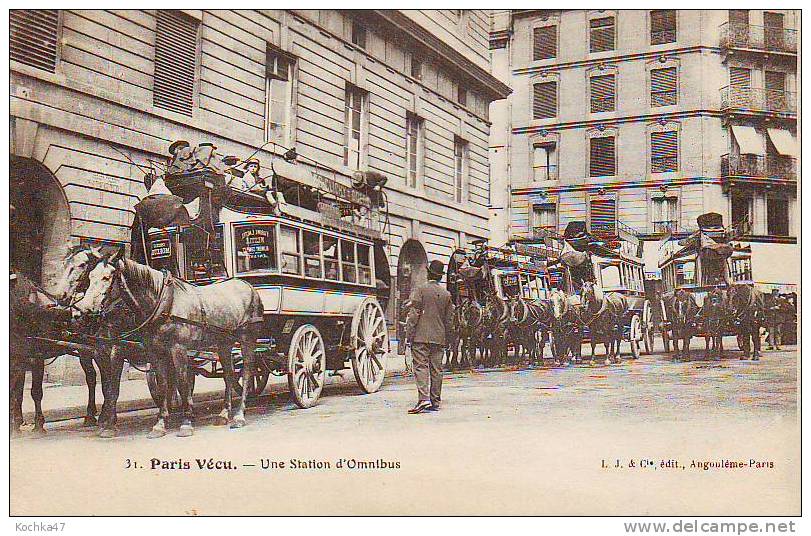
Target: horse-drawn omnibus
(317,258)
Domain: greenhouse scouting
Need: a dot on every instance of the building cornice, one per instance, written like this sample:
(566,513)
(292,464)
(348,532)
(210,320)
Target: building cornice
(607,122)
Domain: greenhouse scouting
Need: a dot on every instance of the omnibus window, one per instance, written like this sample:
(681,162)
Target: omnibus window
(610,276)
(291,252)
(685,273)
(255,247)
(364,265)
(349,270)
(312,254)
(330,254)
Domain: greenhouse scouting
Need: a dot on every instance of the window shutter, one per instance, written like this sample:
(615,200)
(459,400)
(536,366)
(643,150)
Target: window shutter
(739,16)
(545,42)
(602,160)
(545,100)
(32,37)
(663,91)
(739,77)
(773,21)
(775,81)
(602,34)
(175,62)
(603,217)
(664,151)
(603,90)
(662,26)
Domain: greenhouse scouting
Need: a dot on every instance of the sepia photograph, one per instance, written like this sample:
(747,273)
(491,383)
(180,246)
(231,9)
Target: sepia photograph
(405,262)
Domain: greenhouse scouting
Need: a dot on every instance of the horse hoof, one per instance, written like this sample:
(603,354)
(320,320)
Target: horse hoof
(107,433)
(38,432)
(186,430)
(237,423)
(220,420)
(89,422)
(156,433)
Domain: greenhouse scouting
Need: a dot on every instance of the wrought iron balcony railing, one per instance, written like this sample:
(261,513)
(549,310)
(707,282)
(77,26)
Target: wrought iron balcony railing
(755,99)
(762,38)
(759,166)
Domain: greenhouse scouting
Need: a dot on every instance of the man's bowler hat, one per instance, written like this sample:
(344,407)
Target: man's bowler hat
(436,268)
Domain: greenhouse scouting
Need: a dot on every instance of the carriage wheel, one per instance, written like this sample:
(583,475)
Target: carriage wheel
(647,327)
(635,335)
(306,366)
(260,377)
(370,343)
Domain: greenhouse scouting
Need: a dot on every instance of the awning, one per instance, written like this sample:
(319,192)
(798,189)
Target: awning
(783,141)
(748,139)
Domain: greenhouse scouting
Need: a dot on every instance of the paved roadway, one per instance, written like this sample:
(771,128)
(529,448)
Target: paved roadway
(521,441)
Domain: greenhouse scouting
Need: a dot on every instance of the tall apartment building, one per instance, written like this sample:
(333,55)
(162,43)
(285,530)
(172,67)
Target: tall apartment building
(646,119)
(97,94)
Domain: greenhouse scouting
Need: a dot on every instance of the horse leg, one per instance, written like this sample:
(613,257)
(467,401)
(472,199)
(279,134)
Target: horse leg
(756,342)
(90,378)
(164,369)
(37,377)
(686,345)
(111,376)
(16,390)
(180,367)
(228,374)
(247,343)
(720,345)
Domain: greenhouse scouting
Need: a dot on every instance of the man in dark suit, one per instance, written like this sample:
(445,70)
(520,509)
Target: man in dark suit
(428,330)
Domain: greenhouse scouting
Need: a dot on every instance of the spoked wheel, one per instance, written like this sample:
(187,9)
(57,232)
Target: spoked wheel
(647,327)
(306,365)
(370,343)
(665,333)
(636,334)
(261,373)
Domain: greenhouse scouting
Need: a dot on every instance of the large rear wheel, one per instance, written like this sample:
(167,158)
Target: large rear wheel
(306,366)
(647,327)
(635,335)
(370,345)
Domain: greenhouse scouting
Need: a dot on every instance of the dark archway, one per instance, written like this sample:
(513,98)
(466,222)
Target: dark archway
(412,271)
(40,223)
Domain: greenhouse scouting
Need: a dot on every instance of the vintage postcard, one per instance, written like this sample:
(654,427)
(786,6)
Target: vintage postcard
(404,262)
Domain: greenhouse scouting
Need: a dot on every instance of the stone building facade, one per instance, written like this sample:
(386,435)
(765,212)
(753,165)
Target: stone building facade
(646,119)
(96,95)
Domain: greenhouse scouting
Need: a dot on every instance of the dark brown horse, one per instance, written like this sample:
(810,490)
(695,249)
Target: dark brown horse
(682,311)
(603,315)
(566,329)
(713,317)
(172,317)
(470,317)
(747,307)
(495,323)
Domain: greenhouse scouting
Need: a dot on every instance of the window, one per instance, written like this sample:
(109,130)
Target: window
(461,95)
(255,248)
(312,254)
(349,272)
(664,151)
(278,97)
(773,30)
(602,161)
(414,144)
(739,16)
(777,216)
(544,100)
(364,264)
(601,34)
(740,82)
(33,37)
(603,217)
(329,247)
(176,52)
(416,67)
(544,219)
(358,34)
(603,93)
(291,250)
(610,276)
(544,42)
(544,162)
(662,26)
(355,125)
(741,208)
(685,273)
(460,167)
(665,215)
(775,82)
(663,87)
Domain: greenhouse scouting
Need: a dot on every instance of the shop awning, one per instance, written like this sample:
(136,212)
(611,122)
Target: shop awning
(748,139)
(783,141)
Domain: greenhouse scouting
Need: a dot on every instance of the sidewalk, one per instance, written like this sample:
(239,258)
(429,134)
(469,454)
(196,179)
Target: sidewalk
(63,402)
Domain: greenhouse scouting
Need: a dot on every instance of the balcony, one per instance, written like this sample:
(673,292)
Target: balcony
(759,38)
(750,166)
(758,100)
(543,232)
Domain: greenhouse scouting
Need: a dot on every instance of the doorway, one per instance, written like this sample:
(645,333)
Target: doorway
(412,271)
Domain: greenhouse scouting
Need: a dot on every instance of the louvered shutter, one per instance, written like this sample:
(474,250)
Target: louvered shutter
(602,161)
(664,148)
(662,26)
(775,81)
(602,34)
(603,90)
(544,100)
(773,21)
(739,77)
(175,62)
(663,90)
(544,42)
(33,37)
(603,218)
(739,16)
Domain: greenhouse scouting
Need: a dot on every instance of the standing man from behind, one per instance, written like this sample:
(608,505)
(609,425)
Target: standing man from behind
(428,331)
